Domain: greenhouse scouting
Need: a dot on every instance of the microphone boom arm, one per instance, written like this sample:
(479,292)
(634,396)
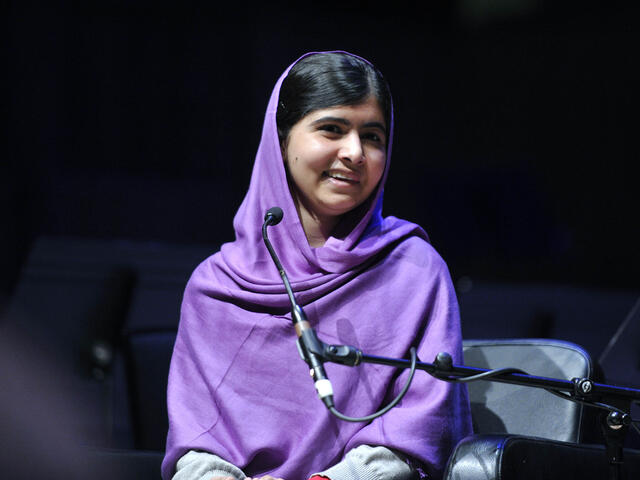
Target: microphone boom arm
(581,390)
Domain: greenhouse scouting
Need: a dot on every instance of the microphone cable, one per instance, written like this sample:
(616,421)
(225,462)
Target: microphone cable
(393,403)
(622,418)
(274,216)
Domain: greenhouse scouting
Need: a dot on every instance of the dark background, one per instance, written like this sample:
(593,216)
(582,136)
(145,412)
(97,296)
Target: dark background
(515,135)
(515,143)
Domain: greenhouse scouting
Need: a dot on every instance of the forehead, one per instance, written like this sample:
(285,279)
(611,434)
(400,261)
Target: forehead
(369,110)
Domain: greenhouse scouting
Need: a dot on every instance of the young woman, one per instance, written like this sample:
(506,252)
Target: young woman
(241,403)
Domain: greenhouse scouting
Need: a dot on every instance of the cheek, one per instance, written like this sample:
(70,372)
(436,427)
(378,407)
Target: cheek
(377,169)
(309,153)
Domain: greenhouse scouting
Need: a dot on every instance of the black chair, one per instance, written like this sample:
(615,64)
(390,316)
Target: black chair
(527,433)
(92,323)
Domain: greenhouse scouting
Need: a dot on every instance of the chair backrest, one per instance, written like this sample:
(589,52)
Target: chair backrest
(506,408)
(123,296)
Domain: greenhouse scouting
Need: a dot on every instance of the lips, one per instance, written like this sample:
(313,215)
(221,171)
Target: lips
(343,176)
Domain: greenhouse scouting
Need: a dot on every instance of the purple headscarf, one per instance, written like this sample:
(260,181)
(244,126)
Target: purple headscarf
(237,387)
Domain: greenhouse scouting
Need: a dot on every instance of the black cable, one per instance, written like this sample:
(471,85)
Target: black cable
(480,376)
(394,402)
(500,371)
(603,406)
(589,403)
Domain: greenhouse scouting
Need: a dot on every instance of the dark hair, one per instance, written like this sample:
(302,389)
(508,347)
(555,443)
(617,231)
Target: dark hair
(328,80)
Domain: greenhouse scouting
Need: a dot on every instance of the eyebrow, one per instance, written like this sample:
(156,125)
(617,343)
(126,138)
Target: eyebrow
(347,123)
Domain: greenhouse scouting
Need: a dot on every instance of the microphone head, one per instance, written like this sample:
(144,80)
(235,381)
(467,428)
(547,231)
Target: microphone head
(273,216)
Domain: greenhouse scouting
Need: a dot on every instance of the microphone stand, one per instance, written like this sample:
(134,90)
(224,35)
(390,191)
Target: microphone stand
(616,400)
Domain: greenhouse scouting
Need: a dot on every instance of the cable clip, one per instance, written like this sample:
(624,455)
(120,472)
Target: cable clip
(582,387)
(443,362)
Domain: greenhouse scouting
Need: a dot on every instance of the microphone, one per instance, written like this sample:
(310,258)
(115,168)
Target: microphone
(273,216)
(310,346)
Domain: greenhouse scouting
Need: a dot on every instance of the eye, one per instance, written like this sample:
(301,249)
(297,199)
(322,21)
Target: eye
(373,137)
(331,128)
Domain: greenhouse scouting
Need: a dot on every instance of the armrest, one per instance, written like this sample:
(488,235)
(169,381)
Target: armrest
(510,457)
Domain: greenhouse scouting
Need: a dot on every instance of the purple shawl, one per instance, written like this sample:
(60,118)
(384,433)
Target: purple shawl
(237,387)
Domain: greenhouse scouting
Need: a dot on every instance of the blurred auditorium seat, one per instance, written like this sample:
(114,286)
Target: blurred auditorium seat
(101,316)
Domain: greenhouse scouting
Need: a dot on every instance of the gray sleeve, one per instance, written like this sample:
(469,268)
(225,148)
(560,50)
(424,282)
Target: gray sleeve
(196,465)
(371,463)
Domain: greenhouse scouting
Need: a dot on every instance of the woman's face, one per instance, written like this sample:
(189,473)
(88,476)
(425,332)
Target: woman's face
(336,157)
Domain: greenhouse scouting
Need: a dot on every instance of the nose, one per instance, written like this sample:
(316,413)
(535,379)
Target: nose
(351,148)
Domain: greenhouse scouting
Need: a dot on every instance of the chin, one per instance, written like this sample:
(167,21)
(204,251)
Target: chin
(337,210)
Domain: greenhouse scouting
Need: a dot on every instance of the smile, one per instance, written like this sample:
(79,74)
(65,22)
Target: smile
(343,177)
